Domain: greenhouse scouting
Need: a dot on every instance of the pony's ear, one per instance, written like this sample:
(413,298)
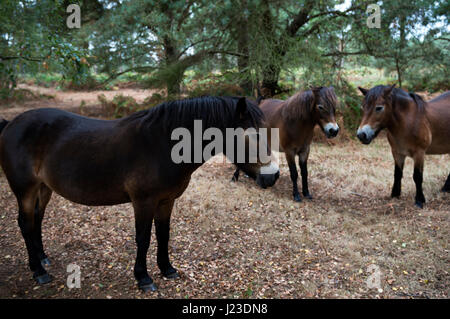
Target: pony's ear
(241,108)
(363,90)
(388,90)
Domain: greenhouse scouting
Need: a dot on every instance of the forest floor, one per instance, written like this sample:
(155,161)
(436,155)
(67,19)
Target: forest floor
(235,240)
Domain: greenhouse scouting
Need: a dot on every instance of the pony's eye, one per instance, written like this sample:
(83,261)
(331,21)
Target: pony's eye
(379,108)
(320,107)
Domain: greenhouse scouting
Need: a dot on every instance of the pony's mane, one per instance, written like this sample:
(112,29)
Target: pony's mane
(217,112)
(399,97)
(300,105)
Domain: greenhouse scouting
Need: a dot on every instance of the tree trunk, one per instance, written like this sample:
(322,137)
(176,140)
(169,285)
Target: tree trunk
(175,73)
(242,43)
(173,83)
(399,72)
(270,69)
(271,74)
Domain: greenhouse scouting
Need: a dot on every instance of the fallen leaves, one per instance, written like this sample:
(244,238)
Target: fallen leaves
(235,240)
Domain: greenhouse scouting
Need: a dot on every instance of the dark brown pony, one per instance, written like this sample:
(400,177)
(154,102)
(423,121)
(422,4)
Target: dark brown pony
(296,118)
(414,128)
(96,162)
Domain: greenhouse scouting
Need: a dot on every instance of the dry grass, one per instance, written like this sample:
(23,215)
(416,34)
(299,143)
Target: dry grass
(236,240)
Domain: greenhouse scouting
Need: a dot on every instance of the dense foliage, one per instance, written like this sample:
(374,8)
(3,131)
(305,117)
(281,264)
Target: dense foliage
(278,45)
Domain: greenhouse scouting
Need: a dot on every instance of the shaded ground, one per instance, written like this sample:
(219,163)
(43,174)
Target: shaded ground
(236,240)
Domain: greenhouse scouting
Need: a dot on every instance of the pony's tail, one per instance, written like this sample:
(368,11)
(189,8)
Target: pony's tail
(3,123)
(418,100)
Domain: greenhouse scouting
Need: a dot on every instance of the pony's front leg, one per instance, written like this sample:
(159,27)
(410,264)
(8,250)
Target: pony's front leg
(398,174)
(303,163)
(418,177)
(162,224)
(235,175)
(143,214)
(290,158)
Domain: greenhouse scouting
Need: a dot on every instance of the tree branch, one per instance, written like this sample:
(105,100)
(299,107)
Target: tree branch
(5,58)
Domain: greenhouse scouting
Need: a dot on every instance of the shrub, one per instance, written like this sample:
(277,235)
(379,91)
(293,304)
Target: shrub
(119,106)
(350,106)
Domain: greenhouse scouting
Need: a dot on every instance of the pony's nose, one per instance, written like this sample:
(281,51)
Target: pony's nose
(363,137)
(331,130)
(334,132)
(267,180)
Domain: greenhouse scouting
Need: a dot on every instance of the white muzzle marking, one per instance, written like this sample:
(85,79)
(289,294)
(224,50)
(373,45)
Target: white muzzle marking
(269,169)
(330,126)
(366,129)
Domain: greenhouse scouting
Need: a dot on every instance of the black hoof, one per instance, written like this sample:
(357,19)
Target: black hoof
(297,198)
(147,285)
(172,275)
(43,279)
(234,179)
(45,262)
(419,204)
(149,288)
(308,196)
(395,195)
(445,190)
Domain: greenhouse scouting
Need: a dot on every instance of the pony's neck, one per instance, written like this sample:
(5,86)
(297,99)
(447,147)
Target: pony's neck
(405,114)
(299,108)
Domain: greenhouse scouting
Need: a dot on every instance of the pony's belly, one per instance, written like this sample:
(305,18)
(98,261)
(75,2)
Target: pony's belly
(438,149)
(99,198)
(85,189)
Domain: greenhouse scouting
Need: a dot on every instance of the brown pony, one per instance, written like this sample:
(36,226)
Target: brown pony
(95,162)
(415,128)
(296,118)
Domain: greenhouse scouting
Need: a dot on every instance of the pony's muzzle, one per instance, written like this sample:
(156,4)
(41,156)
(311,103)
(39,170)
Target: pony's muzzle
(365,134)
(331,130)
(362,136)
(268,175)
(267,180)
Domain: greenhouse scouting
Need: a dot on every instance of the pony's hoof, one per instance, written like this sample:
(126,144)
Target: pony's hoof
(43,279)
(45,262)
(308,196)
(297,198)
(148,288)
(445,190)
(419,204)
(172,275)
(147,285)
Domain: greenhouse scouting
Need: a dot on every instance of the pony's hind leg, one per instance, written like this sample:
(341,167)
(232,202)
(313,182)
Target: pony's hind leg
(27,223)
(418,178)
(446,187)
(144,211)
(45,194)
(162,224)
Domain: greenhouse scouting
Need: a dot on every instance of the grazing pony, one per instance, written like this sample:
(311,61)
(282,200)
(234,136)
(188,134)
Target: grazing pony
(97,162)
(414,128)
(296,118)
